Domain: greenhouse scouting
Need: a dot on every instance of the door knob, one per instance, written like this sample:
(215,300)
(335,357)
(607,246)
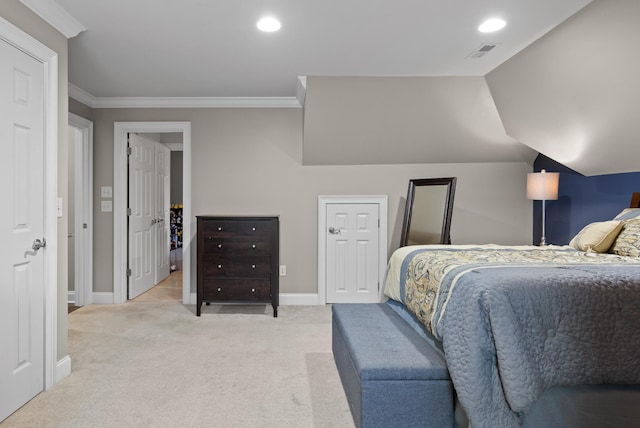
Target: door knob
(37,244)
(334,230)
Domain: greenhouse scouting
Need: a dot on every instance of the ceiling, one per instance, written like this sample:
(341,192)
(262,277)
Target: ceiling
(207,48)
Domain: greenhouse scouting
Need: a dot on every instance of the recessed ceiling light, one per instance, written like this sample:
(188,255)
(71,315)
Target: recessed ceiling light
(268,24)
(491,25)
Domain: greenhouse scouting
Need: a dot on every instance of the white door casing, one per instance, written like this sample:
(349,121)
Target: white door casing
(28,282)
(121,130)
(352,248)
(162,207)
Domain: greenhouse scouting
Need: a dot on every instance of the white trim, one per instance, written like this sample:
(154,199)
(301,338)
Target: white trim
(56,16)
(121,129)
(18,38)
(85,251)
(63,368)
(81,95)
(102,298)
(301,91)
(181,102)
(323,201)
(71,296)
(299,299)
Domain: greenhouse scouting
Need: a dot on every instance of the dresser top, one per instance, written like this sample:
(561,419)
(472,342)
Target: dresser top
(236,217)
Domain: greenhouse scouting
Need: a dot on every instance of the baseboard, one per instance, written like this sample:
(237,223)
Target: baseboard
(299,299)
(102,298)
(71,296)
(286,299)
(63,368)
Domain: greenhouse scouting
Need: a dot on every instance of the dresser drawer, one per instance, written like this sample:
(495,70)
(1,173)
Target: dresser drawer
(213,245)
(216,265)
(219,229)
(255,229)
(236,290)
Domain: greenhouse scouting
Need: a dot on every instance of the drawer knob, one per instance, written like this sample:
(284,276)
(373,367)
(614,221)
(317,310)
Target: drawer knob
(219,245)
(219,266)
(253,228)
(253,290)
(253,246)
(219,289)
(253,266)
(209,238)
(219,227)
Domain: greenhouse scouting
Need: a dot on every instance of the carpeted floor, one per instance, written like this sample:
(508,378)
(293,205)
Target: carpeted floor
(155,364)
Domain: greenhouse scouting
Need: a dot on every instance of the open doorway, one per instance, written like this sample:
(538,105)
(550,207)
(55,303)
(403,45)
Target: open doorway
(121,130)
(169,288)
(80,212)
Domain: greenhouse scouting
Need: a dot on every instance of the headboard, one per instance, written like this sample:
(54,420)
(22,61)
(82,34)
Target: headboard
(635,200)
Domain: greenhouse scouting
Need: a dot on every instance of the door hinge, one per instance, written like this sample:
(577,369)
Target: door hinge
(128,272)
(128,211)
(84,225)
(378,223)
(129,151)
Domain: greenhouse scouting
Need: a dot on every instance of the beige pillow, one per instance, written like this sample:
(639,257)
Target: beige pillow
(628,241)
(597,237)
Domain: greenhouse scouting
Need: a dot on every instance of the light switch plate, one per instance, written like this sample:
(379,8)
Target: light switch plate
(106,192)
(106,206)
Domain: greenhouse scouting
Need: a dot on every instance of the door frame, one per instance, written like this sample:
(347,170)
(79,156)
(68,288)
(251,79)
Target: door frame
(120,187)
(83,250)
(323,201)
(49,59)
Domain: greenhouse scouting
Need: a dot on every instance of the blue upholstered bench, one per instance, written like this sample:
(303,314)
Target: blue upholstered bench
(391,375)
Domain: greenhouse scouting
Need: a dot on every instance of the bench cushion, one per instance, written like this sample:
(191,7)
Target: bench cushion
(391,375)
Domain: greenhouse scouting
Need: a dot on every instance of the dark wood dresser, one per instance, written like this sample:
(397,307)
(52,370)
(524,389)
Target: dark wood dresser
(238,260)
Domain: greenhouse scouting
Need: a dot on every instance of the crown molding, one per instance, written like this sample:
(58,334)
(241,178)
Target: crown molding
(181,102)
(301,91)
(56,16)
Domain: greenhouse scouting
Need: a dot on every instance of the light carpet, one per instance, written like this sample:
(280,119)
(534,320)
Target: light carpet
(155,364)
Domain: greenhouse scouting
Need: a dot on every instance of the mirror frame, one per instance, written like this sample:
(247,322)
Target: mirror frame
(450,182)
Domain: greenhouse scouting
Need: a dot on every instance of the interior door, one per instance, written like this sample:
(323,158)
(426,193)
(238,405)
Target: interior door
(163,229)
(352,253)
(142,223)
(22,223)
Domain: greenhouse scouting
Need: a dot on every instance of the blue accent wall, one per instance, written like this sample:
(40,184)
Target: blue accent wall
(581,200)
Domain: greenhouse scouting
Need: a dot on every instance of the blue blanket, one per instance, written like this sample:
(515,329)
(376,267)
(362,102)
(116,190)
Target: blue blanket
(511,332)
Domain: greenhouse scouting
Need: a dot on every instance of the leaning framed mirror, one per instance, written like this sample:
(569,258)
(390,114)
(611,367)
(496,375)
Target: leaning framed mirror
(427,217)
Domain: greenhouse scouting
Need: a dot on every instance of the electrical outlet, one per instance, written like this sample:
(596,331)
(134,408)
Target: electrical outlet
(283,270)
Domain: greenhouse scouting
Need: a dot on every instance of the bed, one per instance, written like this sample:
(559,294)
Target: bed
(526,328)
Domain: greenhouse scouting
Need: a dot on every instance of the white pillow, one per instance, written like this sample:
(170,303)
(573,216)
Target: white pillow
(597,237)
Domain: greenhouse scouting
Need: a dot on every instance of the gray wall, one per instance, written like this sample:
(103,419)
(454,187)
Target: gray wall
(23,18)
(249,162)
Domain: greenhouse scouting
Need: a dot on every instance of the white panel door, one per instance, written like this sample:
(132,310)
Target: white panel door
(352,253)
(142,161)
(22,222)
(163,190)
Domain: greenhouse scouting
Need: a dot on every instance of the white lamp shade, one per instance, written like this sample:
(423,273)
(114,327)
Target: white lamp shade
(542,186)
